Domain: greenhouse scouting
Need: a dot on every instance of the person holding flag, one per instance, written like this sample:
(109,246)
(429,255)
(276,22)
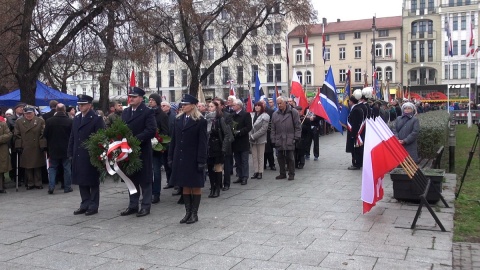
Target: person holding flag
(354,143)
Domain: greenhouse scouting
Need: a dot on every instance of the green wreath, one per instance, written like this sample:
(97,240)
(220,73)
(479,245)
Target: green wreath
(98,143)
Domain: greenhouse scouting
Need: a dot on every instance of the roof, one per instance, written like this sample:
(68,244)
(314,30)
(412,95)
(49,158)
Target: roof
(349,26)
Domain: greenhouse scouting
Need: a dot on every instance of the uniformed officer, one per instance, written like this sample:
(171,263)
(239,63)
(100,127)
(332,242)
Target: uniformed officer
(141,121)
(84,174)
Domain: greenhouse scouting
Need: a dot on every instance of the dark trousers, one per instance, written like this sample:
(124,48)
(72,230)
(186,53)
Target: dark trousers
(357,157)
(157,174)
(90,197)
(285,157)
(241,159)
(146,194)
(268,157)
(299,157)
(227,168)
(168,169)
(315,140)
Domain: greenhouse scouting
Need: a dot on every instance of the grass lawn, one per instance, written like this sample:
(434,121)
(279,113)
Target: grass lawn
(467,206)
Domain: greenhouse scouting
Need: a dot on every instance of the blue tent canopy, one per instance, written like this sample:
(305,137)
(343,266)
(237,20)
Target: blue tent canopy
(43,95)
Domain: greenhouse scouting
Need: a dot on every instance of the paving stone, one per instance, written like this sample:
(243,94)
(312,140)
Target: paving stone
(16,252)
(344,261)
(11,237)
(307,257)
(208,261)
(173,242)
(122,264)
(337,246)
(381,251)
(392,264)
(248,237)
(86,247)
(247,264)
(254,251)
(136,238)
(212,247)
(16,266)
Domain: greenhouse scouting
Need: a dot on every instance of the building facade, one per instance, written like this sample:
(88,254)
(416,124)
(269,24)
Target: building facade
(349,45)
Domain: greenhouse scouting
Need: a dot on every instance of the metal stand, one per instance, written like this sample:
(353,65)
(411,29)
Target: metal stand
(470,157)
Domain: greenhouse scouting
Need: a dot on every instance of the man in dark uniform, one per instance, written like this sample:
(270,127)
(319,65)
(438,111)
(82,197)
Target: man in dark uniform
(84,174)
(242,122)
(354,139)
(141,121)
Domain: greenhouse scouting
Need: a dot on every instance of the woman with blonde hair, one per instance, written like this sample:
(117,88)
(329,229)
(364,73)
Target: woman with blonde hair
(187,156)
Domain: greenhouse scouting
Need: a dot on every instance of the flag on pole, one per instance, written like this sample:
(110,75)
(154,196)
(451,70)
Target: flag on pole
(346,96)
(275,96)
(329,99)
(382,153)
(307,51)
(231,92)
(377,88)
(471,45)
(449,37)
(317,107)
(287,47)
(258,89)
(298,92)
(132,84)
(249,108)
(324,49)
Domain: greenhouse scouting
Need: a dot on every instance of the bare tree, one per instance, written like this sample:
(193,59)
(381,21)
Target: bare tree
(181,26)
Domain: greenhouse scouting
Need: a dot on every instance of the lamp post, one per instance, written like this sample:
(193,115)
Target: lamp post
(374,28)
(156,74)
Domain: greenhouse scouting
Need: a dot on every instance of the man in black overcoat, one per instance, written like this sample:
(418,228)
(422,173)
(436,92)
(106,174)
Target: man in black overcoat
(84,174)
(242,124)
(141,121)
(354,139)
(57,132)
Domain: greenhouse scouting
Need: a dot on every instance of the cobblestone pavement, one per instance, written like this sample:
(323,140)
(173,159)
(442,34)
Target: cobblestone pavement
(313,222)
(466,256)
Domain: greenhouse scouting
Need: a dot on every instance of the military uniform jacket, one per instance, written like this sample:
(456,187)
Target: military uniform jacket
(83,172)
(5,137)
(355,119)
(187,150)
(143,126)
(28,135)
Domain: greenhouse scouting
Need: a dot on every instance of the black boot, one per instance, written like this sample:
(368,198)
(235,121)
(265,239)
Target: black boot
(188,208)
(255,175)
(259,176)
(195,204)
(218,184)
(181,200)
(213,178)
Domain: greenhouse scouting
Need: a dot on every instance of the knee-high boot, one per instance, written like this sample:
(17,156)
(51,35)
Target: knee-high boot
(195,204)
(218,184)
(187,198)
(213,179)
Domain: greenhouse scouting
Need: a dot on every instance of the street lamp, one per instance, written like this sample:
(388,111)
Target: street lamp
(374,28)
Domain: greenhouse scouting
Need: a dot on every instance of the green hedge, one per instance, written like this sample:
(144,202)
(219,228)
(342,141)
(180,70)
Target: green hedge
(433,133)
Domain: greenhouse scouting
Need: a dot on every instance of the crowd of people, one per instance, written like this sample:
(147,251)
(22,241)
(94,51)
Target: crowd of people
(212,140)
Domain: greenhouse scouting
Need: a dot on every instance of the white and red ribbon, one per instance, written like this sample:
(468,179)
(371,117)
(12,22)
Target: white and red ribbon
(125,150)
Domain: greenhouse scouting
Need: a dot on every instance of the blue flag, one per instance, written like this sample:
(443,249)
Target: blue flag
(329,100)
(345,110)
(258,89)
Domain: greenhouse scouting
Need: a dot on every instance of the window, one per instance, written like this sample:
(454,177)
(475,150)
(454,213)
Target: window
(211,78)
(342,53)
(301,40)
(358,74)
(431,5)
(269,49)
(413,6)
(463,71)
(413,76)
(209,34)
(357,35)
(455,47)
(358,52)
(446,48)
(240,74)
(84,77)
(422,51)
(74,91)
(277,28)
(278,49)
(431,74)
(239,31)
(463,47)
(184,77)
(270,73)
(451,3)
(343,75)
(463,21)
(171,57)
(308,55)
(379,73)
(455,22)
(341,36)
(389,73)
(269,28)
(119,91)
(459,2)
(447,72)
(378,50)
(422,6)
(327,54)
(327,37)
(226,75)
(146,79)
(171,78)
(455,71)
(84,90)
(140,79)
(298,56)
(240,51)
(278,72)
(254,50)
(300,77)
(254,72)
(472,70)
(388,50)
(383,33)
(430,27)
(414,52)
(159,79)
(308,77)
(414,30)
(430,50)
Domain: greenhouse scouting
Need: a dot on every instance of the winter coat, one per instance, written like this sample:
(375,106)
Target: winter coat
(286,129)
(242,124)
(187,151)
(407,129)
(161,119)
(268,145)
(111,118)
(143,126)
(83,172)
(5,137)
(306,137)
(258,134)
(223,132)
(29,137)
(355,119)
(57,133)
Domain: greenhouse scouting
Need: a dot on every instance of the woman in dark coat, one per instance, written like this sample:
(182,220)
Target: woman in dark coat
(220,138)
(303,145)
(188,155)
(407,128)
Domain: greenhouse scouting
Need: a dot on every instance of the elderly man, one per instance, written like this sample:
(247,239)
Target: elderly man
(242,124)
(29,140)
(202,108)
(116,114)
(286,131)
(230,103)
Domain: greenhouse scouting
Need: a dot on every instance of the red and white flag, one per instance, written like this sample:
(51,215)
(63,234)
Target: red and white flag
(132,84)
(381,155)
(232,89)
(471,46)
(298,92)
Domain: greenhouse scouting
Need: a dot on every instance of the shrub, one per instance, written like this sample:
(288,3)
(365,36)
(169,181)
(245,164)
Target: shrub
(433,133)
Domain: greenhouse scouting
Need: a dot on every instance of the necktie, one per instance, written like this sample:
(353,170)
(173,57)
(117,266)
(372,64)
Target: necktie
(185,121)
(133,111)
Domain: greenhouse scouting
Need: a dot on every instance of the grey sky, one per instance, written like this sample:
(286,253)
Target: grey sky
(347,10)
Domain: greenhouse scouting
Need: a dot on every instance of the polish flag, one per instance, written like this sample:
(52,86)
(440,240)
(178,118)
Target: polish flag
(298,92)
(471,45)
(132,84)
(232,88)
(249,108)
(317,108)
(381,155)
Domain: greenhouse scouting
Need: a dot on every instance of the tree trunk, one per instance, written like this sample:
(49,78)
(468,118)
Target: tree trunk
(194,83)
(26,79)
(110,52)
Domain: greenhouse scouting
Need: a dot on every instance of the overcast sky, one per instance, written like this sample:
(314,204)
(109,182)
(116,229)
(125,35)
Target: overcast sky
(347,10)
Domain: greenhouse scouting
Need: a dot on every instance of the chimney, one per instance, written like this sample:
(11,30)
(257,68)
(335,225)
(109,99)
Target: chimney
(338,20)
(324,20)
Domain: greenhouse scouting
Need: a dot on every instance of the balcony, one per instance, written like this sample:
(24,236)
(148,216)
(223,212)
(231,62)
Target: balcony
(422,11)
(385,58)
(456,4)
(422,35)
(422,81)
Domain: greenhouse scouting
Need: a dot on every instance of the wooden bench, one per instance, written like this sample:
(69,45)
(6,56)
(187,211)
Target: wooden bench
(432,163)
